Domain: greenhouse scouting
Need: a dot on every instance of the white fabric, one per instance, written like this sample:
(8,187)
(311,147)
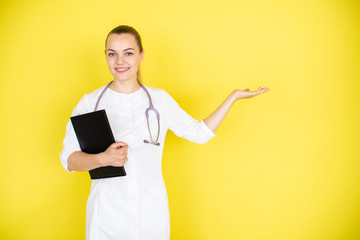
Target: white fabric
(134,206)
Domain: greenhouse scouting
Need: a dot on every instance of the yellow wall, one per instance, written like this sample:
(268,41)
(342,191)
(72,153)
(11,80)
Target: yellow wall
(283,166)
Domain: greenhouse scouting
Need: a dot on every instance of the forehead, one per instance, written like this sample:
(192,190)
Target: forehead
(122,41)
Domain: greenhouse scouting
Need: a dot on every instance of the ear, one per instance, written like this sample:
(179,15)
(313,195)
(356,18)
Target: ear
(142,56)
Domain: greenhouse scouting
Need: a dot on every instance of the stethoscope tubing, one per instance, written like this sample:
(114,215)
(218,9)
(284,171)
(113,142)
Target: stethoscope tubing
(150,108)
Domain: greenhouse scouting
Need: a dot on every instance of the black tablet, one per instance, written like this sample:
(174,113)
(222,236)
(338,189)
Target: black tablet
(94,134)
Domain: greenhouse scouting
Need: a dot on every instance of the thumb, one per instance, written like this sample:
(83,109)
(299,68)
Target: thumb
(118,144)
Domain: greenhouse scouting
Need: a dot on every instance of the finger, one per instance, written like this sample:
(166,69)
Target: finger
(124,152)
(123,161)
(119,145)
(256,92)
(264,90)
(124,143)
(121,152)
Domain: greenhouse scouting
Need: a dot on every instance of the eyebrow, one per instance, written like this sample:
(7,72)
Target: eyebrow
(123,50)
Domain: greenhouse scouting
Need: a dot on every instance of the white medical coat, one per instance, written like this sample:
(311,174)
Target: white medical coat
(135,206)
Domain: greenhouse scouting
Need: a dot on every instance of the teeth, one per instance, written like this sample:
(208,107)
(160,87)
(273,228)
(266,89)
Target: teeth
(121,69)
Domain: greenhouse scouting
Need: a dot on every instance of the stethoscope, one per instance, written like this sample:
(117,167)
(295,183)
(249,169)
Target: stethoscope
(150,108)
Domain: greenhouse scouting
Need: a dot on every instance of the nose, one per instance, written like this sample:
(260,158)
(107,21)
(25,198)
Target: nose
(120,59)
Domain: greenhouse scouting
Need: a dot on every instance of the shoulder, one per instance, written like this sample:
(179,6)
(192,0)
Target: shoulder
(157,92)
(95,94)
(161,97)
(154,90)
(87,102)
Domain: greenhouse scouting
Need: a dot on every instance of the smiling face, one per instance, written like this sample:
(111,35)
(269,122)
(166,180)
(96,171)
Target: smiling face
(123,56)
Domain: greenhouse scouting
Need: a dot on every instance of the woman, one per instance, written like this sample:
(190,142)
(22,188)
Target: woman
(134,206)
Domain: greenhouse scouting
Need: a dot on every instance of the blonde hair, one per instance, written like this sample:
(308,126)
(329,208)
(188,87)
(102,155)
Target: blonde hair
(127,29)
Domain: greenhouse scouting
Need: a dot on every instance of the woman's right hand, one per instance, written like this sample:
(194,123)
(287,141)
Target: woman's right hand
(115,155)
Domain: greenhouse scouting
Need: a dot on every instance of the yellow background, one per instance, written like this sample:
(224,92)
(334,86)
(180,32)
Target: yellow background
(283,166)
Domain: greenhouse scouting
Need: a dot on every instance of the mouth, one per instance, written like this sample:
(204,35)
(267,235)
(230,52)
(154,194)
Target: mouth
(121,70)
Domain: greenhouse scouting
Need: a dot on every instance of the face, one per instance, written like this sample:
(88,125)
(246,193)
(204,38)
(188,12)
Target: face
(123,56)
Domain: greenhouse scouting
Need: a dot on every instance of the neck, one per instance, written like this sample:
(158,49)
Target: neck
(125,86)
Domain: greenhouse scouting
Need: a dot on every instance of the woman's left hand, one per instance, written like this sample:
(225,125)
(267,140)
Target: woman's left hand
(239,94)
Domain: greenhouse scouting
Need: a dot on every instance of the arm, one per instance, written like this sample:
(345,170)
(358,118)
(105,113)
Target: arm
(214,120)
(182,124)
(73,159)
(115,155)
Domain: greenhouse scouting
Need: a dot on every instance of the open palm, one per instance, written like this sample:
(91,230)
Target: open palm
(247,94)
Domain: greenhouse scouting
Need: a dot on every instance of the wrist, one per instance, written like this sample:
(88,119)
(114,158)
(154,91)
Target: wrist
(233,97)
(100,159)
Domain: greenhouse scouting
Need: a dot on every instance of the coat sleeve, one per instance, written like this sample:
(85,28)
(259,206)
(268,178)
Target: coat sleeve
(70,142)
(183,125)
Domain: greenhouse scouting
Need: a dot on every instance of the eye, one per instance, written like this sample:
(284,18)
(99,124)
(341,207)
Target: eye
(111,54)
(129,53)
